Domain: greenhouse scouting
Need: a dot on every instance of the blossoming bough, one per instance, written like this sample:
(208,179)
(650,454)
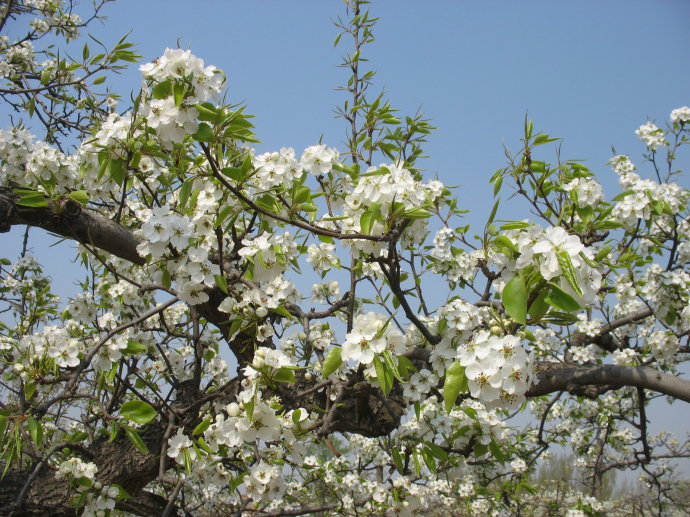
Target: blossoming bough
(191,242)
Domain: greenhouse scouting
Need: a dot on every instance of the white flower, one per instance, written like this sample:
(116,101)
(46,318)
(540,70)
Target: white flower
(178,444)
(680,115)
(518,466)
(554,240)
(192,293)
(367,338)
(651,135)
(322,257)
(588,190)
(318,159)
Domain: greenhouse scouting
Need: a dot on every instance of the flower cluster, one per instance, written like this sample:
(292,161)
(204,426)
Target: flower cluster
(680,115)
(392,191)
(172,116)
(588,191)
(453,262)
(550,251)
(283,168)
(652,136)
(498,369)
(644,198)
(371,334)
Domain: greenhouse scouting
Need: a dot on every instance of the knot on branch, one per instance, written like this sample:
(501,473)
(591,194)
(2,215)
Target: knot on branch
(70,209)
(7,210)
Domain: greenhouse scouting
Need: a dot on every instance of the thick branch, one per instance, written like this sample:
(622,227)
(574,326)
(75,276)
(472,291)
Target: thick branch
(575,378)
(67,218)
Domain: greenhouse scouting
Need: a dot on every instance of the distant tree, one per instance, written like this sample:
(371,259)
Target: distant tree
(362,395)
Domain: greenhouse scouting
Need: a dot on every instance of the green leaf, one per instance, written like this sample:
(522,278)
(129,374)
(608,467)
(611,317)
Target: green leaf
(35,199)
(284,375)
(201,427)
(568,270)
(429,459)
(186,455)
(392,365)
(185,192)
(504,242)
(302,194)
(138,411)
(492,215)
(515,225)
(283,312)
(397,460)
(607,225)
(405,366)
(162,90)
(85,52)
(204,133)
(4,421)
(436,451)
(221,282)
(455,383)
(561,300)
(543,139)
(514,298)
(166,279)
(332,362)
(366,221)
(136,439)
(202,443)
(114,429)
(417,213)
(116,168)
(603,253)
(99,80)
(207,112)
(234,173)
(496,452)
(497,185)
(80,196)
(539,307)
(35,430)
(480,449)
(383,376)
(29,390)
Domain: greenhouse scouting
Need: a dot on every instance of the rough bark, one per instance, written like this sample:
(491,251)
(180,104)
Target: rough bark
(590,380)
(67,218)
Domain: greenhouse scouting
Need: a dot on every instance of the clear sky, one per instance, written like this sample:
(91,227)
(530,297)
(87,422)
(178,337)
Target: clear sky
(589,71)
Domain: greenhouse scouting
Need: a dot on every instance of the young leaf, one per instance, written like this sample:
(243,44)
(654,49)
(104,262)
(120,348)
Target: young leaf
(397,460)
(561,300)
(204,133)
(35,430)
(568,270)
(201,427)
(455,383)
(80,196)
(514,299)
(29,390)
(366,221)
(35,199)
(221,282)
(383,375)
(138,411)
(332,362)
(284,375)
(136,439)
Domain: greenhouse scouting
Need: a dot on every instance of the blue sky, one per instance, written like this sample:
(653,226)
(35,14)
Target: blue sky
(588,71)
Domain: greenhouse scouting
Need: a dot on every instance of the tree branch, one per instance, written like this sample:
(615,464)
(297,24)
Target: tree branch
(67,218)
(577,377)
